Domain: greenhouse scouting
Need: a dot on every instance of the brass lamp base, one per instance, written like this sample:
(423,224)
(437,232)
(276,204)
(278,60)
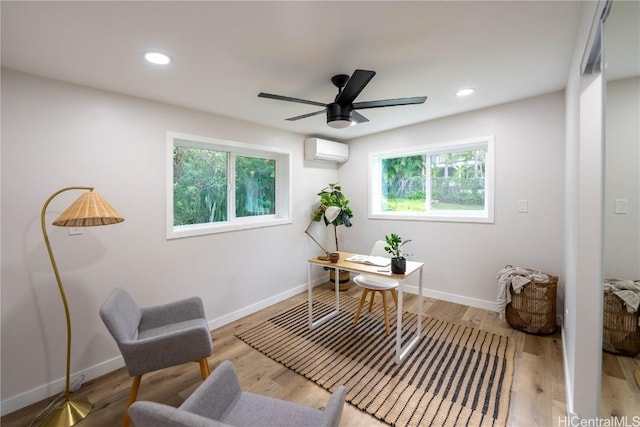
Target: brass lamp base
(67,414)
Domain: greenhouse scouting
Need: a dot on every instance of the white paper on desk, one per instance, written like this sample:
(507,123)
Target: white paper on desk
(379,261)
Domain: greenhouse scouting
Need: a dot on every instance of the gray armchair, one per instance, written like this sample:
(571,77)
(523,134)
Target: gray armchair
(219,401)
(157,337)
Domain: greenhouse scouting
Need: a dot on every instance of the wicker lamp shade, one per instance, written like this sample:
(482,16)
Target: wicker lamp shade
(90,209)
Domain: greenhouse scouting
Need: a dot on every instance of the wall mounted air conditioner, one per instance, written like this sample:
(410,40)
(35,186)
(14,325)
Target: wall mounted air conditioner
(329,151)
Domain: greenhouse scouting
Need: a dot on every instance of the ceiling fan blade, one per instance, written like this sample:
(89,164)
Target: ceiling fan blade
(389,102)
(359,79)
(290,99)
(358,118)
(304,116)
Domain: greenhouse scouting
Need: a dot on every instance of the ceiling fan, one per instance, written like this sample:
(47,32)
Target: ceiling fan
(341,112)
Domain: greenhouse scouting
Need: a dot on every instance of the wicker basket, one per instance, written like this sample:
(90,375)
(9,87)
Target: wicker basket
(620,330)
(533,310)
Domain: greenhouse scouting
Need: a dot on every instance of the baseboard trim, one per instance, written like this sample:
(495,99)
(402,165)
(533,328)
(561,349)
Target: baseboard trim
(37,394)
(45,391)
(568,385)
(455,298)
(250,309)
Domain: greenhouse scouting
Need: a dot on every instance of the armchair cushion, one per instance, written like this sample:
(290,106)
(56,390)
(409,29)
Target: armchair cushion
(255,410)
(219,401)
(121,315)
(216,395)
(151,414)
(167,347)
(174,312)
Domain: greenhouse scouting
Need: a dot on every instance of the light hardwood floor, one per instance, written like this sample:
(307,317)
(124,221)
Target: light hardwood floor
(537,393)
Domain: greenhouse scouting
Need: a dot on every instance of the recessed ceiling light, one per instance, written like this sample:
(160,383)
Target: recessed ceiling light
(157,58)
(465,92)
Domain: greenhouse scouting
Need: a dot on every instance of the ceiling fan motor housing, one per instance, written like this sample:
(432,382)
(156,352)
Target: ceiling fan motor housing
(337,112)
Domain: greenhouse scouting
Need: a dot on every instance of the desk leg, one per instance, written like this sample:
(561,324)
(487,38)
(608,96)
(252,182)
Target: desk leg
(399,323)
(401,353)
(328,316)
(420,303)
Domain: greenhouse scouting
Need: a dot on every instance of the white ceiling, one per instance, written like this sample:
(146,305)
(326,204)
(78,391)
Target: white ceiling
(225,53)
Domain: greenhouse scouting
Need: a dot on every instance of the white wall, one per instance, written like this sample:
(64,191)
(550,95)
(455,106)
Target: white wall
(56,135)
(622,179)
(462,259)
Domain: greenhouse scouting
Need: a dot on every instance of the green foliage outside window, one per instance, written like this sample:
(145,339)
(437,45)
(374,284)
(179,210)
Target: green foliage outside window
(457,182)
(199,186)
(255,186)
(457,179)
(200,182)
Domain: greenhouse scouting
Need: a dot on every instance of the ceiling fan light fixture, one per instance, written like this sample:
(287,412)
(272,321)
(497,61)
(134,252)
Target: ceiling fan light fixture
(340,123)
(338,116)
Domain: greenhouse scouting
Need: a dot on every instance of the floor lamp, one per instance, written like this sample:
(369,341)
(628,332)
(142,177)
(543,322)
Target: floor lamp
(89,209)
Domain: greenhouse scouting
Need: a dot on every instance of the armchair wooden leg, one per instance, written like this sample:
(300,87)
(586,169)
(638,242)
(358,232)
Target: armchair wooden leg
(204,368)
(362,300)
(394,294)
(135,386)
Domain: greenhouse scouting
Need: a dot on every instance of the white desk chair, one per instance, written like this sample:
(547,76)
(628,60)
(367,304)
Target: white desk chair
(370,283)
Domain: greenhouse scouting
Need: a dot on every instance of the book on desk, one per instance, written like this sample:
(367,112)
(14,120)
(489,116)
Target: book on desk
(379,261)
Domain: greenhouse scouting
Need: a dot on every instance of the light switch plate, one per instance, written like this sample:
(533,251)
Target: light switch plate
(620,206)
(523,206)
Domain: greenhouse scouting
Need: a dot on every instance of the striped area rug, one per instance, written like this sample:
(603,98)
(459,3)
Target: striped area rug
(456,376)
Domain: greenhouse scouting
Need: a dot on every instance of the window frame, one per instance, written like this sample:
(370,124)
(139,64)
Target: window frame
(475,216)
(233,148)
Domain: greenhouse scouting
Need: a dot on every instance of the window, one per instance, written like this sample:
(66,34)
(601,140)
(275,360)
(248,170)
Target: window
(217,186)
(451,181)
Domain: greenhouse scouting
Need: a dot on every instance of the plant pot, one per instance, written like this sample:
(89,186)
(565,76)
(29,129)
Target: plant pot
(344,279)
(398,265)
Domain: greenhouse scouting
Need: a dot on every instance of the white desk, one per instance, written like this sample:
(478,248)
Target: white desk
(342,264)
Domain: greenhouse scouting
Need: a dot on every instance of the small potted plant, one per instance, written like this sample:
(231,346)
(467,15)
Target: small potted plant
(398,260)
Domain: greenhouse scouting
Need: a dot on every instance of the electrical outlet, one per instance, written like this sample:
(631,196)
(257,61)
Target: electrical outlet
(74,231)
(76,383)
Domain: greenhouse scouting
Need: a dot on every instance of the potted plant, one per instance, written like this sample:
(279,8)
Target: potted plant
(398,260)
(334,210)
